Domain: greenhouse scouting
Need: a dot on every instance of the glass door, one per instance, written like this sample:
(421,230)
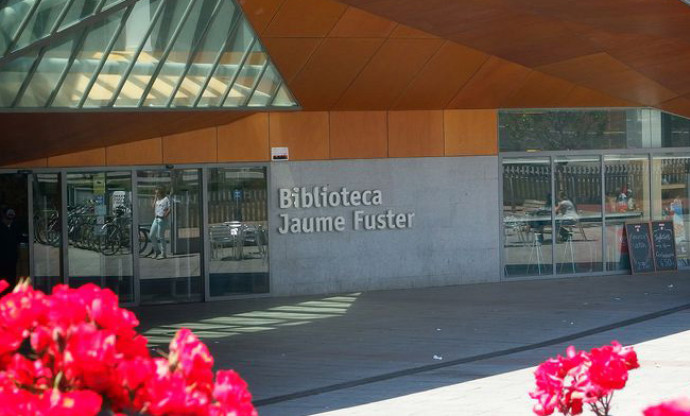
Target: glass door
(237,231)
(169,234)
(99,236)
(626,179)
(579,232)
(527,217)
(671,200)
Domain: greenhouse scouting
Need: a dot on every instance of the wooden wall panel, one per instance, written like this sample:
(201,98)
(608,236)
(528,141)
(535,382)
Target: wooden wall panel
(584,97)
(441,78)
(415,133)
(496,80)
(290,54)
(407,32)
(305,18)
(94,157)
(305,134)
(679,105)
(331,69)
(142,152)
(358,134)
(244,140)
(388,73)
(606,74)
(36,163)
(471,132)
(192,147)
(541,91)
(358,23)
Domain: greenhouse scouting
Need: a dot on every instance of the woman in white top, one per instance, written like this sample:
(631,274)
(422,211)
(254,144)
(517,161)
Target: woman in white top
(161,207)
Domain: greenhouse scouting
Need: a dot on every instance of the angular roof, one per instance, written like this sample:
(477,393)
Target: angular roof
(133,54)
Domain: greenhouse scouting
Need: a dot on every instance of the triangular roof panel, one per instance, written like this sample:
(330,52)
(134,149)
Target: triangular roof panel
(134,54)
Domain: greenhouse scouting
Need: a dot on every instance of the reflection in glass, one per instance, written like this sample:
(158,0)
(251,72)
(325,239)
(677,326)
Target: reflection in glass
(99,220)
(14,260)
(578,214)
(670,199)
(238,221)
(47,231)
(133,54)
(626,181)
(169,235)
(527,215)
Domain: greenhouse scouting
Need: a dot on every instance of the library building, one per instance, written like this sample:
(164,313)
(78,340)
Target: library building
(197,150)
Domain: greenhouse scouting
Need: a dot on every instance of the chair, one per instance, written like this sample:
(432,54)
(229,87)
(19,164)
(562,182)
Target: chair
(221,236)
(253,235)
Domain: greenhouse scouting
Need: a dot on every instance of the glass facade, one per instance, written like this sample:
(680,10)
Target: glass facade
(153,54)
(46,270)
(572,179)
(150,235)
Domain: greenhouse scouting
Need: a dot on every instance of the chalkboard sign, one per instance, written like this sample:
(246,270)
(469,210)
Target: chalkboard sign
(640,247)
(664,245)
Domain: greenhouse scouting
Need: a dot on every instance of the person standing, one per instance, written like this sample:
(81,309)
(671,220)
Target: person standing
(161,207)
(9,246)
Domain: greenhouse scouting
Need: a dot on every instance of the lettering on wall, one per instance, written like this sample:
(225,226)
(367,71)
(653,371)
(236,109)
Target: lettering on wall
(360,218)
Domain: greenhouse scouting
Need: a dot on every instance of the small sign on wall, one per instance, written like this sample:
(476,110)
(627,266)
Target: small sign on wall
(280,153)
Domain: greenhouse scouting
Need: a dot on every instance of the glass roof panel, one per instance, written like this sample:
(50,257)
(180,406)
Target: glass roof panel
(154,54)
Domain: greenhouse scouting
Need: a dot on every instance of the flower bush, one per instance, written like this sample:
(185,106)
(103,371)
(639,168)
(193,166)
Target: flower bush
(76,352)
(678,407)
(568,384)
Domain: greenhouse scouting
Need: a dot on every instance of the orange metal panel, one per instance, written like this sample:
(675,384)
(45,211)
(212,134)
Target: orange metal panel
(415,133)
(392,68)
(540,90)
(305,134)
(358,23)
(440,79)
(142,152)
(606,74)
(495,81)
(305,18)
(330,70)
(191,147)
(358,134)
(290,54)
(471,132)
(93,157)
(245,139)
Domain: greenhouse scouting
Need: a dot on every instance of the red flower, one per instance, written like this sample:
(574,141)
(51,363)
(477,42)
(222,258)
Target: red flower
(568,383)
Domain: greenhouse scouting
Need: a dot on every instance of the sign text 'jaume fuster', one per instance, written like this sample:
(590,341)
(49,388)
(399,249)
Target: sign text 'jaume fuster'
(321,197)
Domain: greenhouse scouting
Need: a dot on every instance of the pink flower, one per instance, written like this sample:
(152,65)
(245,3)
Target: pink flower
(76,352)
(231,393)
(678,407)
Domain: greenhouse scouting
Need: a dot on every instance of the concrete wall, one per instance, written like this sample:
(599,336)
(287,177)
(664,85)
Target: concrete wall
(454,238)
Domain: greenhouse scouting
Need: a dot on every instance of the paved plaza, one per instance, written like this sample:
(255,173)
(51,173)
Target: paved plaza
(464,350)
